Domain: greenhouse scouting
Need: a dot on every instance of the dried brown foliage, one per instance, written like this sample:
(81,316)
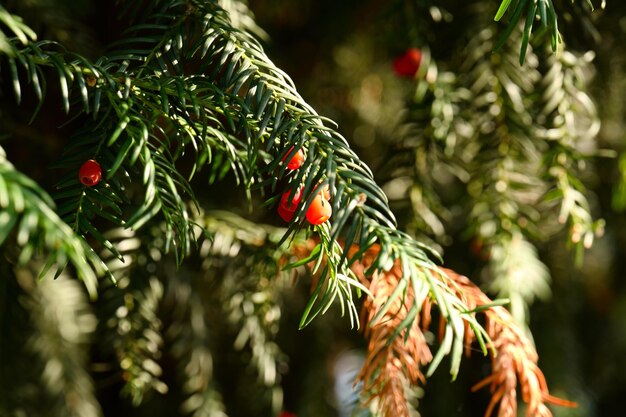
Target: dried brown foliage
(394,362)
(515,363)
(391,366)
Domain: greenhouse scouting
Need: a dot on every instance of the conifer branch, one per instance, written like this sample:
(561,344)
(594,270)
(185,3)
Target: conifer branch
(273,98)
(497,162)
(16,28)
(515,363)
(533,13)
(516,273)
(397,354)
(248,262)
(63,324)
(132,327)
(523,158)
(188,87)
(190,338)
(27,217)
(151,291)
(242,18)
(570,123)
(149,111)
(397,347)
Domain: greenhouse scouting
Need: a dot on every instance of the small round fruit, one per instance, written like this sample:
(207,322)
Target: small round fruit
(407,64)
(287,207)
(295,199)
(90,173)
(319,211)
(285,214)
(296,161)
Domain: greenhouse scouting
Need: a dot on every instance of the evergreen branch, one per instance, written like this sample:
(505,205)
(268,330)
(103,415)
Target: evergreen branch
(242,17)
(499,162)
(532,12)
(503,181)
(129,137)
(234,60)
(29,211)
(131,310)
(134,136)
(394,336)
(518,159)
(571,123)
(143,131)
(63,323)
(432,133)
(189,337)
(16,27)
(251,287)
(504,171)
(396,351)
(131,326)
(516,273)
(189,78)
(251,107)
(135,310)
(272,97)
(191,347)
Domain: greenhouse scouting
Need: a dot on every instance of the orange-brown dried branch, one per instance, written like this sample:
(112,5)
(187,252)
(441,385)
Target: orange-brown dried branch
(515,363)
(391,364)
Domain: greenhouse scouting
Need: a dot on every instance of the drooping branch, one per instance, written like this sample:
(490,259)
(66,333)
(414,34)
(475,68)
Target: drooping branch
(396,354)
(515,363)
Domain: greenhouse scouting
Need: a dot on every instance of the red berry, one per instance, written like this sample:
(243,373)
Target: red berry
(287,414)
(319,211)
(295,199)
(296,161)
(90,173)
(407,64)
(285,214)
(287,208)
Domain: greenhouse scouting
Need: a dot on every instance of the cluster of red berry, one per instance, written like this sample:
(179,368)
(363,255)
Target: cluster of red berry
(319,210)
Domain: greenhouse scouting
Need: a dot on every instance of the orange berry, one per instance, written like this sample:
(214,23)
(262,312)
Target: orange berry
(296,161)
(319,211)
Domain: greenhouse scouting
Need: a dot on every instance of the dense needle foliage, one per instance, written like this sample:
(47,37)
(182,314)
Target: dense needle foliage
(173,287)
